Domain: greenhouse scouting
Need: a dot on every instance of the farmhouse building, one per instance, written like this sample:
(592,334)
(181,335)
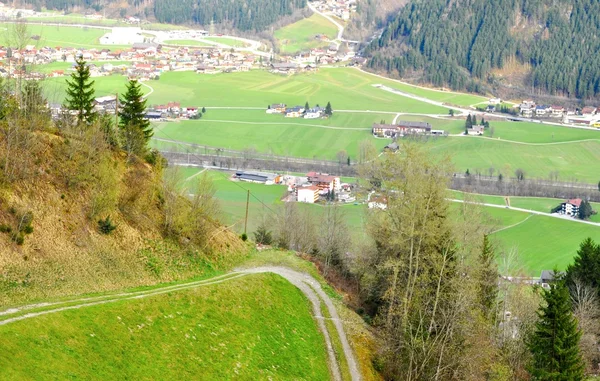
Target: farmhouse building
(258,177)
(324,181)
(401,129)
(314,113)
(294,112)
(571,207)
(476,130)
(377,202)
(284,68)
(308,194)
(277,108)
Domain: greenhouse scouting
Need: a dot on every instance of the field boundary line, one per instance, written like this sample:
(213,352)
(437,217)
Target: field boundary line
(286,123)
(513,225)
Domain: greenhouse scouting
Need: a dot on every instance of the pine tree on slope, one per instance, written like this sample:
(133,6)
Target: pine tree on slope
(555,342)
(80,93)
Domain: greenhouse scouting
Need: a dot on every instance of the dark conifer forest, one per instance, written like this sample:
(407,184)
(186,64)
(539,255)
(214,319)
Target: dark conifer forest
(458,43)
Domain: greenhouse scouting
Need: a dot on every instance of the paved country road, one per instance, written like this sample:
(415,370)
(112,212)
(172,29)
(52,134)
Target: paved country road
(308,285)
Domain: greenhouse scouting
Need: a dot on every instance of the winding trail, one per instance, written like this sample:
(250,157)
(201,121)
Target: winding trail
(308,285)
(148,86)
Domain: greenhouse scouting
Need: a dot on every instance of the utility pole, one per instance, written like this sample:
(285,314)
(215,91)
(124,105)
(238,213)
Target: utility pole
(247,203)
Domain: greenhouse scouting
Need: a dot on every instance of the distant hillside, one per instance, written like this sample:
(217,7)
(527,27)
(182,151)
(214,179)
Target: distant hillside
(245,15)
(475,44)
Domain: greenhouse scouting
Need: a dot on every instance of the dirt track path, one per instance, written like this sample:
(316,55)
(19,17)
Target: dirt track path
(308,285)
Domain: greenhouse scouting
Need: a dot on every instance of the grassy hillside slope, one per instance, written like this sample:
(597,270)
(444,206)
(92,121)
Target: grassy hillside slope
(255,327)
(64,183)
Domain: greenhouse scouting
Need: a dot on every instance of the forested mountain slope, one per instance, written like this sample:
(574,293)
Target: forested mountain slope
(461,43)
(245,15)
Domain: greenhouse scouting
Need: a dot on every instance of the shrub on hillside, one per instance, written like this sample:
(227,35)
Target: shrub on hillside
(263,236)
(5,228)
(106,226)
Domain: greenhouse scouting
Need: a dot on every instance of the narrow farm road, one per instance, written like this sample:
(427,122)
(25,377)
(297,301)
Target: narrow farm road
(338,25)
(308,285)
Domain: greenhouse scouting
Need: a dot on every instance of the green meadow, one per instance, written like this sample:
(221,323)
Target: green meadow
(539,242)
(539,204)
(64,36)
(301,34)
(254,327)
(235,43)
(573,160)
(345,88)
(298,140)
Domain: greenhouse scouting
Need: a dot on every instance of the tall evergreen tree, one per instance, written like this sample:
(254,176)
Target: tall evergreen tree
(555,342)
(133,110)
(468,122)
(586,266)
(328,109)
(474,120)
(306,106)
(487,275)
(80,93)
(585,210)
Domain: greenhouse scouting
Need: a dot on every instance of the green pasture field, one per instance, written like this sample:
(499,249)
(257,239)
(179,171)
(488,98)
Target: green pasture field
(450,97)
(227,41)
(345,88)
(281,139)
(538,133)
(64,36)
(572,160)
(544,242)
(187,43)
(301,34)
(255,327)
(538,240)
(539,204)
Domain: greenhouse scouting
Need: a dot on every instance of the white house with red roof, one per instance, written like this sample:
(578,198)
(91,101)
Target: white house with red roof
(571,207)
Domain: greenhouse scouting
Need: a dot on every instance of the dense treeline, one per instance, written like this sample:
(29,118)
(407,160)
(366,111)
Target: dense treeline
(246,15)
(254,15)
(456,42)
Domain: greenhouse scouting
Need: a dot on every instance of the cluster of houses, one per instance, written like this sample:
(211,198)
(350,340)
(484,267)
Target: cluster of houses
(172,110)
(589,115)
(403,128)
(296,111)
(308,189)
(146,60)
(324,56)
(340,8)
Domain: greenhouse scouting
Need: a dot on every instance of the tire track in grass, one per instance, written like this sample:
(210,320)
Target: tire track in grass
(308,285)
